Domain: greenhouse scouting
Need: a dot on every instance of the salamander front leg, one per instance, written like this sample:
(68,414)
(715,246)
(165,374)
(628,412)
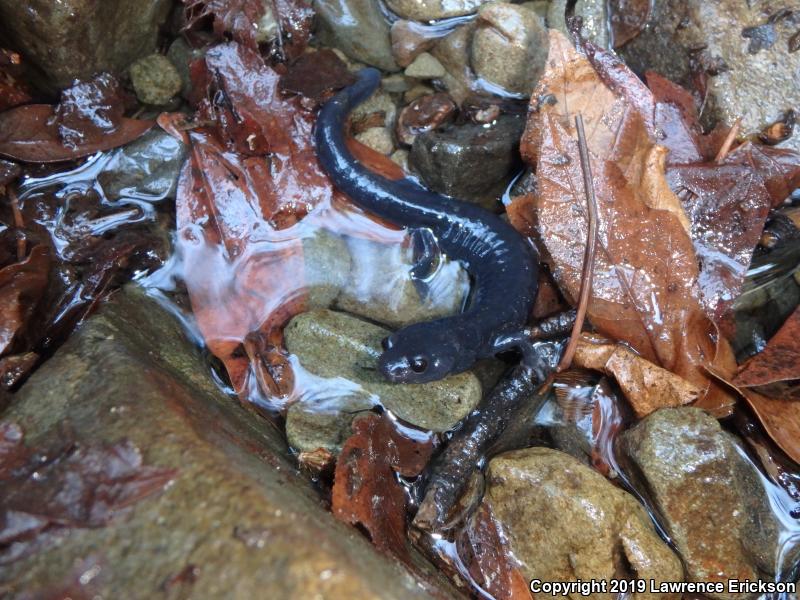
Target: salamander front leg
(532,359)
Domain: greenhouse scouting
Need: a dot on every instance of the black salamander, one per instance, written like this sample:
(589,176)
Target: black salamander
(502,264)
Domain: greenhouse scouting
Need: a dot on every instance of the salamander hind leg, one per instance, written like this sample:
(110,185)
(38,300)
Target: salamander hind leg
(531,358)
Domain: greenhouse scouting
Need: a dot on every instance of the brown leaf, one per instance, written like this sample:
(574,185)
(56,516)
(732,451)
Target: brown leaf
(727,206)
(775,370)
(295,18)
(628,18)
(22,285)
(644,286)
(316,74)
(238,18)
(488,560)
(780,418)
(29,134)
(77,486)
(646,386)
(365,488)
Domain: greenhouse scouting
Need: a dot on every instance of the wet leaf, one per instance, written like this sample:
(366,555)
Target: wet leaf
(70,485)
(237,18)
(240,19)
(13,369)
(22,285)
(780,418)
(488,559)
(628,18)
(365,488)
(646,386)
(316,75)
(295,18)
(29,134)
(644,286)
(775,370)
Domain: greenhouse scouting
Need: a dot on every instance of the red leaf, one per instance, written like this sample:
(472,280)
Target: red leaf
(21,287)
(30,134)
(365,488)
(238,18)
(777,363)
(316,74)
(489,561)
(77,486)
(780,418)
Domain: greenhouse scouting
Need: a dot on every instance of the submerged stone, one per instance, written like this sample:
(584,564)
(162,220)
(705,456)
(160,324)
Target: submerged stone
(332,344)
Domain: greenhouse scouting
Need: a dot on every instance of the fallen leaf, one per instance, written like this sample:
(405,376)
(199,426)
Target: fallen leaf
(29,134)
(365,487)
(14,368)
(295,18)
(22,285)
(487,558)
(316,75)
(628,19)
(780,418)
(646,386)
(238,18)
(775,370)
(644,286)
(76,486)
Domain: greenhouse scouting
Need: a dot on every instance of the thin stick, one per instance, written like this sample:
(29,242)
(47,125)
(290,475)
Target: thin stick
(726,145)
(591,247)
(19,223)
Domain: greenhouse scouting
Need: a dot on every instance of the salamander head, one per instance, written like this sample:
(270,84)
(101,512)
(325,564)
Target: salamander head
(423,352)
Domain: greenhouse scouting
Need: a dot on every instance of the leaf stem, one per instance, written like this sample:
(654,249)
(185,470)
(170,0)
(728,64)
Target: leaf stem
(591,248)
(729,139)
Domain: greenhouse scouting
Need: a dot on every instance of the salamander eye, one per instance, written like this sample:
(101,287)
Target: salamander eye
(419,364)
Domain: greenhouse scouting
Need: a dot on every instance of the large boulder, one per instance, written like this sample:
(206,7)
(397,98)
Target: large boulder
(236,521)
(74,39)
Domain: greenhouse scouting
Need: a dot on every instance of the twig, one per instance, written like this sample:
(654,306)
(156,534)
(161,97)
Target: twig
(726,145)
(19,223)
(591,247)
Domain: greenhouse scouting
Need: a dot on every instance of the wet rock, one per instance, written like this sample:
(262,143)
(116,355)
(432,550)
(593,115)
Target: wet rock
(379,103)
(401,158)
(713,504)
(424,114)
(509,47)
(382,289)
(408,41)
(394,84)
(237,517)
(758,86)
(418,91)
(327,264)
(563,521)
(147,168)
(181,55)
(358,28)
(377,138)
(155,79)
(315,423)
(75,39)
(470,161)
(332,344)
(430,10)
(453,52)
(425,66)
(594,17)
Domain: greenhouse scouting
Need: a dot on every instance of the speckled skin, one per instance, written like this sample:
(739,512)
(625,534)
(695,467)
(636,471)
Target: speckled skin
(501,262)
